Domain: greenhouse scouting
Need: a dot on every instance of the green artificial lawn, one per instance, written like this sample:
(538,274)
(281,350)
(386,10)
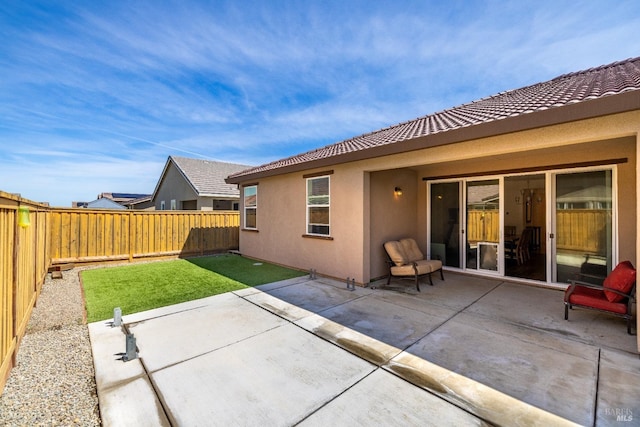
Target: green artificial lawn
(140,287)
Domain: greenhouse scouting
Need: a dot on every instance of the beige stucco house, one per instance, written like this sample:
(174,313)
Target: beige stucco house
(196,184)
(558,158)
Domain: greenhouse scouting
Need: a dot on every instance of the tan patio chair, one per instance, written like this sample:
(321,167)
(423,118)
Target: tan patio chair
(405,260)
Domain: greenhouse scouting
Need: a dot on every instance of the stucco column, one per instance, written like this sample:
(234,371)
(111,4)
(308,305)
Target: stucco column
(637,231)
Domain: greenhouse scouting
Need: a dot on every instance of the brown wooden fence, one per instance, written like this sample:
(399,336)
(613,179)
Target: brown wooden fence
(483,226)
(55,236)
(80,236)
(583,230)
(24,261)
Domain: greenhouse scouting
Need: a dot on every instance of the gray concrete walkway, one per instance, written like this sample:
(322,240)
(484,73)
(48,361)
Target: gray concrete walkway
(466,351)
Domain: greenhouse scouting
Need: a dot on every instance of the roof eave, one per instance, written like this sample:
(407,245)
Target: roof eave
(607,105)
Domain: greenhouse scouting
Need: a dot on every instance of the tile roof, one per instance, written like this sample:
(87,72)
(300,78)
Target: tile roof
(208,177)
(567,89)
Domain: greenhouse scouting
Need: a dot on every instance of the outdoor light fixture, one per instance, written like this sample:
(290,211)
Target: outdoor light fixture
(23,217)
(397,191)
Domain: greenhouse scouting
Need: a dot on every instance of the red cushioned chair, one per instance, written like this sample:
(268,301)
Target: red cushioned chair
(614,296)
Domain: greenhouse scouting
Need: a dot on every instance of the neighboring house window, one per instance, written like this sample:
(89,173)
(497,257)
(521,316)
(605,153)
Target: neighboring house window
(250,206)
(236,206)
(318,205)
(162,206)
(173,204)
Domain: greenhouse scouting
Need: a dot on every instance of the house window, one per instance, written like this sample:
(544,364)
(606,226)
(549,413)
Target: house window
(173,204)
(250,206)
(162,206)
(318,205)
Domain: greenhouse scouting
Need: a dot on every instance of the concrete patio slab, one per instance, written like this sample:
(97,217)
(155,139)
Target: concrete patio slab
(384,399)
(302,299)
(124,390)
(543,309)
(173,338)
(388,322)
(619,389)
(311,351)
(508,358)
(494,407)
(274,378)
(456,291)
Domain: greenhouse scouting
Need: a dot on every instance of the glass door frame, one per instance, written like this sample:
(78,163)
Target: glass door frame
(552,212)
(465,227)
(462,220)
(550,220)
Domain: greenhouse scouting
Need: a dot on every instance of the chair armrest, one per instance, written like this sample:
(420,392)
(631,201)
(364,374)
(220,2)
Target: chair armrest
(575,283)
(586,284)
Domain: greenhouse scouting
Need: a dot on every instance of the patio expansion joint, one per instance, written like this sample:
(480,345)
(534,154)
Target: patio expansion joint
(230,344)
(337,396)
(597,391)
(161,401)
(457,312)
(160,316)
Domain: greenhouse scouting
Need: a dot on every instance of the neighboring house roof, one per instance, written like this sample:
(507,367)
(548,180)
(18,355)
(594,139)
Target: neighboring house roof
(104,203)
(122,197)
(481,194)
(139,200)
(206,177)
(581,95)
(598,193)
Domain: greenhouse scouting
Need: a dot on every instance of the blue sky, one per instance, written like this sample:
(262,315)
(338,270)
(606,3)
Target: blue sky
(94,95)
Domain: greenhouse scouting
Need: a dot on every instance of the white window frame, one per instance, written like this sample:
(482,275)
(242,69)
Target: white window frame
(248,207)
(317,201)
(162,205)
(174,204)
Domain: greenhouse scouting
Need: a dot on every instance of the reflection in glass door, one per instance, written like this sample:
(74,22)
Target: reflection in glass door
(583,224)
(525,227)
(445,223)
(482,225)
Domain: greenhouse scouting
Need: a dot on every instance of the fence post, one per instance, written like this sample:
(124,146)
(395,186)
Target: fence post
(201,233)
(14,287)
(131,236)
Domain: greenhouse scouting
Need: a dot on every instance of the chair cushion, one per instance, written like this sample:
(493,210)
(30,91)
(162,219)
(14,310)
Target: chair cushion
(434,264)
(595,298)
(621,279)
(411,249)
(396,253)
(407,270)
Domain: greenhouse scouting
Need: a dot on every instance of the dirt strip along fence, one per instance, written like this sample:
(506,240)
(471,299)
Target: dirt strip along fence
(35,239)
(24,262)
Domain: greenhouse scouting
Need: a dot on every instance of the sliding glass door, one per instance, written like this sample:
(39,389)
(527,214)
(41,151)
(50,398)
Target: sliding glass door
(525,227)
(583,224)
(482,225)
(445,223)
(540,226)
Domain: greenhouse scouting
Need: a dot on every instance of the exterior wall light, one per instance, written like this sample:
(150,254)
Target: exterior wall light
(23,217)
(397,191)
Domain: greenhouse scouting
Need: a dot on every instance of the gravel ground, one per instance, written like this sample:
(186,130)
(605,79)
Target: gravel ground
(53,383)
